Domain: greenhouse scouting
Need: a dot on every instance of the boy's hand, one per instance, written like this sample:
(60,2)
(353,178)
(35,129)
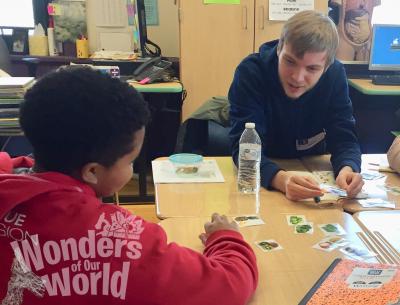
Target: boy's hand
(217,223)
(350,181)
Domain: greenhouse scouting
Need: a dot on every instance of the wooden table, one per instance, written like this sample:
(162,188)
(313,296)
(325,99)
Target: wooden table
(203,199)
(286,275)
(372,187)
(383,231)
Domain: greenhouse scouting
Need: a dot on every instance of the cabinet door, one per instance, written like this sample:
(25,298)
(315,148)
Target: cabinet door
(267,30)
(214,38)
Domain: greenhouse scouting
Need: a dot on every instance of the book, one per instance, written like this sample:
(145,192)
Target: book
(354,282)
(13,103)
(15,82)
(6,113)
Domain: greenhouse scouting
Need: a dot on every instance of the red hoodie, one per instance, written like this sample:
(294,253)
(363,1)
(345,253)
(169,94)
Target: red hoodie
(60,245)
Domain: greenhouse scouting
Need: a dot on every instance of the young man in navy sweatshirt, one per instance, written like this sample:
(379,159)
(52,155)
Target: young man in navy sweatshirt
(297,95)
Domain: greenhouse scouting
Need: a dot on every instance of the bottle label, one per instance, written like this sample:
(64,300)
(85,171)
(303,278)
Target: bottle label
(250,151)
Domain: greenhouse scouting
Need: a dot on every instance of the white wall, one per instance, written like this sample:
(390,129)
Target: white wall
(166,34)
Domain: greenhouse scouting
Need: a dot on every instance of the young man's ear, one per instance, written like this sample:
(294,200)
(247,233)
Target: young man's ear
(89,172)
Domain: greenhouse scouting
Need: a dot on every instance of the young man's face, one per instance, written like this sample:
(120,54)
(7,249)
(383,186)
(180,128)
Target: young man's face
(298,75)
(112,179)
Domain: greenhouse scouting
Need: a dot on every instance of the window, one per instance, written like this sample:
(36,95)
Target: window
(16,14)
(386,13)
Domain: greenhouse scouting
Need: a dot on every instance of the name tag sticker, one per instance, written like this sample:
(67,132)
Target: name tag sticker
(304,144)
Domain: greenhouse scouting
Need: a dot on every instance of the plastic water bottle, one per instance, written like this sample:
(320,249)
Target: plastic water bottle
(249,160)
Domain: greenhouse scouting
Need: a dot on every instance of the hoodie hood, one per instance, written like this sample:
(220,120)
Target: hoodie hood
(8,165)
(18,189)
(268,60)
(267,48)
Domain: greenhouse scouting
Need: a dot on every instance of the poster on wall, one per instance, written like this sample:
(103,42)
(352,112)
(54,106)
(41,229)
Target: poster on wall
(151,8)
(353,21)
(70,24)
(281,10)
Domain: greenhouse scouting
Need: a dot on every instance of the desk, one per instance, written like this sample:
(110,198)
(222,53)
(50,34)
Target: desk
(383,228)
(45,64)
(171,87)
(367,87)
(375,113)
(202,199)
(285,276)
(372,187)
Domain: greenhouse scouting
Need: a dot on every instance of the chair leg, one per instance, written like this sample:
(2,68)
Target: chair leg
(116,197)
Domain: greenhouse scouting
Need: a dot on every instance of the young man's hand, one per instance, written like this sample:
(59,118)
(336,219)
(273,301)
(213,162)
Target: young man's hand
(217,223)
(350,181)
(296,187)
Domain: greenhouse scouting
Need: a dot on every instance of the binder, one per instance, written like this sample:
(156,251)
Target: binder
(332,287)
(15,82)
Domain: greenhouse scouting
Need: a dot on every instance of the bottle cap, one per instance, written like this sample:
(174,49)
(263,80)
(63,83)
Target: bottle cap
(250,125)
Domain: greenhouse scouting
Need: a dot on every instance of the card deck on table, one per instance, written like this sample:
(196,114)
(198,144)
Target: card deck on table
(326,177)
(248,220)
(305,228)
(357,253)
(377,203)
(371,175)
(293,220)
(268,245)
(333,190)
(332,229)
(330,243)
(361,195)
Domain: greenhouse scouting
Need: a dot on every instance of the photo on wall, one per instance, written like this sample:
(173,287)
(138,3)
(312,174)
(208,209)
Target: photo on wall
(353,21)
(19,41)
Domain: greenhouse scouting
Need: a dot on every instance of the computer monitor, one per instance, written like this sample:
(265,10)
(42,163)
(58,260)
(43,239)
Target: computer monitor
(385,48)
(143,39)
(16,14)
(142,26)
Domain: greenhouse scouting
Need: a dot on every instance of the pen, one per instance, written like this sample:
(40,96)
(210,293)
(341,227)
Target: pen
(317,199)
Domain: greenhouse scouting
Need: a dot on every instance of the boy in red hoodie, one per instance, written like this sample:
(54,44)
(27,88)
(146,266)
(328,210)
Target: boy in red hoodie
(59,244)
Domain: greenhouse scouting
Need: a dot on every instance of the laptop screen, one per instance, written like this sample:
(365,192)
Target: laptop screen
(385,48)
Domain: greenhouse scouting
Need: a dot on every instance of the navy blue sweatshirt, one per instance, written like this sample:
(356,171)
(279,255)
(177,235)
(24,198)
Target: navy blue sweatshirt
(318,122)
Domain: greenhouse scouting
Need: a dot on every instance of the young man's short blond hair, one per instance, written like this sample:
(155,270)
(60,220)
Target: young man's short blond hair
(310,31)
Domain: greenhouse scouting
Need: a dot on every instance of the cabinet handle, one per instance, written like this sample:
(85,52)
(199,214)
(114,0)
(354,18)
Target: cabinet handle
(180,14)
(261,18)
(244,17)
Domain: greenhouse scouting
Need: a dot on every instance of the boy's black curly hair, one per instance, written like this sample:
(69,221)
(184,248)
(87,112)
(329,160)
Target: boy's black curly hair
(77,115)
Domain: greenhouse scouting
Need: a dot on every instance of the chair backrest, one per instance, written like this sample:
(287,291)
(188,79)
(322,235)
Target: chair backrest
(204,137)
(5,62)
(218,143)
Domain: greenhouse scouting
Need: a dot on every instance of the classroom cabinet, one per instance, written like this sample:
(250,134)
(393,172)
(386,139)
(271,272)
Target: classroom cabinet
(214,38)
